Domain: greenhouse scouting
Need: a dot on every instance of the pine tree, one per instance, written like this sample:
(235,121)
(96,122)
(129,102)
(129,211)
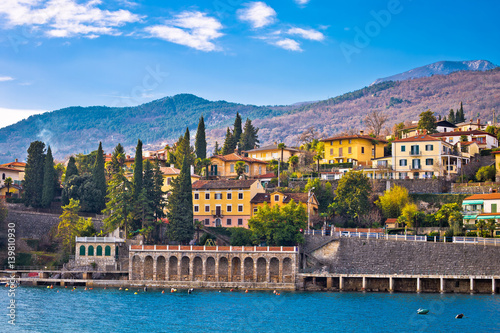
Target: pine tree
(117,159)
(180,207)
(138,169)
(183,148)
(49,174)
(119,204)
(99,177)
(451,117)
(249,139)
(216,148)
(237,131)
(33,176)
(228,143)
(71,169)
(200,144)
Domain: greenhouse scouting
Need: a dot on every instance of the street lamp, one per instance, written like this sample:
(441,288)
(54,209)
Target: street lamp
(308,210)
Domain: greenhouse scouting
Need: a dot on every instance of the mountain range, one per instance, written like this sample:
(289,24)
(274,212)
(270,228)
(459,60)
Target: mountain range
(79,129)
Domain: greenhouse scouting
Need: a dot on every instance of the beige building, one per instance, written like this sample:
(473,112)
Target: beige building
(101,252)
(272,152)
(225,166)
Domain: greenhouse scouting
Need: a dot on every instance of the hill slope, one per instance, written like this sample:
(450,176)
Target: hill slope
(440,68)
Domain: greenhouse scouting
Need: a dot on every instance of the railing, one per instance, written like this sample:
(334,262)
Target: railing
(471,212)
(477,240)
(415,153)
(214,248)
(99,239)
(218,213)
(33,268)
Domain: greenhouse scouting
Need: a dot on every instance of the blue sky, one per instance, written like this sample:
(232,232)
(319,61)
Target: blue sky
(62,53)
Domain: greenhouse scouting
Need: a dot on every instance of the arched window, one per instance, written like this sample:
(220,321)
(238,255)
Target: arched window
(91,250)
(247,168)
(82,250)
(99,250)
(107,251)
(3,176)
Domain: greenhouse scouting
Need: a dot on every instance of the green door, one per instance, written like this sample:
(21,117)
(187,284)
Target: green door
(493,208)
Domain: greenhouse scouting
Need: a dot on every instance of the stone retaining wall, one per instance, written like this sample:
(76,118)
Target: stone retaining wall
(474,188)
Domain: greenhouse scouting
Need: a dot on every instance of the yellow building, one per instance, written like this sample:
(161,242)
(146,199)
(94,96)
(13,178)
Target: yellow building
(424,156)
(225,166)
(281,199)
(224,203)
(357,149)
(496,154)
(272,152)
(15,171)
(170,173)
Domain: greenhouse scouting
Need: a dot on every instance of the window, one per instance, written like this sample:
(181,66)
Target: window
(331,143)
(207,208)
(373,152)
(493,208)
(331,151)
(340,152)
(196,196)
(260,170)
(362,150)
(229,222)
(232,168)
(429,161)
(91,250)
(99,251)
(415,150)
(218,196)
(403,162)
(274,155)
(255,210)
(340,142)
(3,176)
(254,155)
(196,208)
(247,168)
(240,196)
(403,148)
(207,196)
(169,179)
(349,149)
(415,163)
(240,221)
(107,251)
(240,208)
(429,147)
(276,197)
(350,141)
(229,196)
(207,222)
(229,208)
(82,250)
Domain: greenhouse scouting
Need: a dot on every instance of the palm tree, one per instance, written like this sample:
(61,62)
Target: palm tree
(491,225)
(198,225)
(480,225)
(318,158)
(203,163)
(294,161)
(239,168)
(282,147)
(8,183)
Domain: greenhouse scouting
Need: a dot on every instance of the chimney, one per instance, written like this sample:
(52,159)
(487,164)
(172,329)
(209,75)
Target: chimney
(236,151)
(172,166)
(192,169)
(361,132)
(16,159)
(478,121)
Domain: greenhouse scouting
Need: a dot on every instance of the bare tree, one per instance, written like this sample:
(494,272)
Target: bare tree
(375,120)
(308,136)
(349,131)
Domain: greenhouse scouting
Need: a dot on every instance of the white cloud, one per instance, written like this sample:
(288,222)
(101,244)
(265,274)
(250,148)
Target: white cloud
(6,78)
(12,116)
(302,2)
(65,18)
(258,14)
(288,44)
(310,34)
(193,29)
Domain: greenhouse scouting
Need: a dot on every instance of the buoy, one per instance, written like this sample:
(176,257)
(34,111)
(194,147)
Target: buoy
(163,291)
(85,288)
(120,288)
(459,316)
(48,287)
(135,293)
(231,290)
(274,291)
(6,285)
(126,289)
(246,291)
(51,287)
(65,286)
(91,288)
(219,291)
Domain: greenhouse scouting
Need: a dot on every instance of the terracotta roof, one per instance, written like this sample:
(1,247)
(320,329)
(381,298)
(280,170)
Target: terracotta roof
(266,197)
(466,143)
(174,171)
(488,214)
(391,220)
(267,175)
(421,137)
(132,159)
(223,184)
(10,169)
(272,147)
(236,157)
(13,165)
(487,196)
(460,133)
(496,152)
(356,136)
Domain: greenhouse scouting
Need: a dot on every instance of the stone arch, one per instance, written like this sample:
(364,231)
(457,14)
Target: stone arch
(148,268)
(185,268)
(98,251)
(136,267)
(274,270)
(107,251)
(248,269)
(261,269)
(172,268)
(223,269)
(287,270)
(210,268)
(197,269)
(90,250)
(82,250)
(236,269)
(160,268)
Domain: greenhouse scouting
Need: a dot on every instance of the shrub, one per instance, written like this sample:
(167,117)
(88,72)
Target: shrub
(471,234)
(434,233)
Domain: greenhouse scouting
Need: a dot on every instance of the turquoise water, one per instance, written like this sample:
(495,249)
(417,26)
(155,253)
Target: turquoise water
(47,310)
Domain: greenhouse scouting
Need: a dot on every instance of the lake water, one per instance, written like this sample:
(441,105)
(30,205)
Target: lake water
(46,310)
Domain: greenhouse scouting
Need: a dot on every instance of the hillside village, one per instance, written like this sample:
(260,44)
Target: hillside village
(236,195)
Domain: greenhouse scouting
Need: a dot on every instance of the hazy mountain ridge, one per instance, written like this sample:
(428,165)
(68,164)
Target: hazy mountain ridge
(440,68)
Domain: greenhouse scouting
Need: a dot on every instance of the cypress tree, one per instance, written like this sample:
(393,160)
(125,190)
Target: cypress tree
(200,145)
(49,175)
(117,159)
(159,202)
(138,169)
(33,174)
(249,139)
(184,149)
(461,113)
(180,207)
(451,117)
(228,143)
(216,148)
(237,131)
(71,169)
(99,177)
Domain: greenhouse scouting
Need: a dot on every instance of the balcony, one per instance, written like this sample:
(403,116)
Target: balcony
(415,153)
(472,212)
(217,213)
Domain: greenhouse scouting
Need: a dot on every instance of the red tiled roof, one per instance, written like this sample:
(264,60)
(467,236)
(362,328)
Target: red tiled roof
(267,175)
(272,147)
(460,133)
(223,184)
(391,220)
(486,196)
(266,197)
(174,171)
(10,169)
(356,136)
(421,137)
(488,214)
(13,164)
(235,157)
